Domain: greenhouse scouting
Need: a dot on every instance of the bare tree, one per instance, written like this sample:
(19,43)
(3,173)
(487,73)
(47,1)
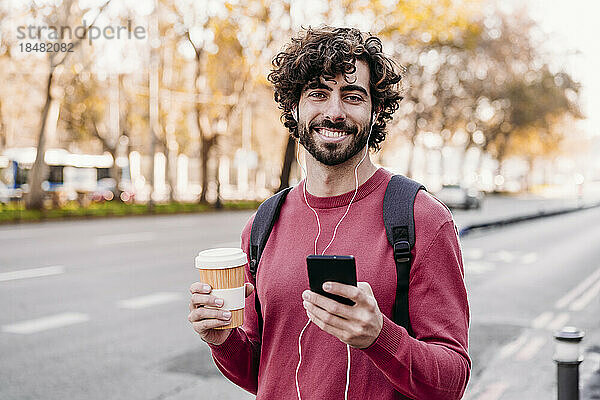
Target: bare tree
(34,199)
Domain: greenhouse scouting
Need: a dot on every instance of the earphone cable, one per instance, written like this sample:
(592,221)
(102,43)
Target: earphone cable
(330,242)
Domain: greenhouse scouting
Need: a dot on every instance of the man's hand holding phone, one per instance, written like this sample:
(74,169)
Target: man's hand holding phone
(358,325)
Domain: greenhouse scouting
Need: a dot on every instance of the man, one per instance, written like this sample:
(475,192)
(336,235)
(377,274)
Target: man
(337,90)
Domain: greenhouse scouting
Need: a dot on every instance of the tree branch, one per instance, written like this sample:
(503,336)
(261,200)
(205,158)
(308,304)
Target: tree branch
(80,39)
(197,50)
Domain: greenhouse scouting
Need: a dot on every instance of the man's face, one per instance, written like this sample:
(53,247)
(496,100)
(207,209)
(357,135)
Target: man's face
(335,115)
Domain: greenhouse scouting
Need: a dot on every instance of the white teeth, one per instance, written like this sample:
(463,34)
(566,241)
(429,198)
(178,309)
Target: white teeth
(331,134)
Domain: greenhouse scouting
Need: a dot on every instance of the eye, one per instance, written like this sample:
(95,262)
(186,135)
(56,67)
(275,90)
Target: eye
(317,95)
(354,98)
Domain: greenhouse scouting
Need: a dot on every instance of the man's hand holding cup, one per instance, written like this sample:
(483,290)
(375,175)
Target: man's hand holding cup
(205,320)
(218,300)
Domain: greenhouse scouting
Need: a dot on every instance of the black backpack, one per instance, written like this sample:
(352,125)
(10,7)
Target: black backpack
(398,218)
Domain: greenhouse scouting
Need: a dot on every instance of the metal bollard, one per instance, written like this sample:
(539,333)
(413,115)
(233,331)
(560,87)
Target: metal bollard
(568,356)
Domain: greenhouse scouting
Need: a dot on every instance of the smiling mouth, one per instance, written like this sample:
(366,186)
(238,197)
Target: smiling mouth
(331,133)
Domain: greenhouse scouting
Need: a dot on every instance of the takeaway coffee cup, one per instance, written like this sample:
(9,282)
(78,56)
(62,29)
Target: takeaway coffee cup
(223,270)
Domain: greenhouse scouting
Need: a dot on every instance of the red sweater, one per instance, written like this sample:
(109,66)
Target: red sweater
(434,365)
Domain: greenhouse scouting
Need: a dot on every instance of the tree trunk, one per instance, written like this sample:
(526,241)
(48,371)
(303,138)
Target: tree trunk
(35,198)
(153,101)
(288,159)
(207,142)
(2,131)
(113,150)
(204,147)
(218,201)
(463,156)
(411,150)
(114,170)
(479,168)
(442,164)
(169,173)
(115,173)
(207,145)
(204,173)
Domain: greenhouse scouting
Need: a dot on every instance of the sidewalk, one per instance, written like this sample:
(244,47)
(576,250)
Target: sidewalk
(497,208)
(518,371)
(590,368)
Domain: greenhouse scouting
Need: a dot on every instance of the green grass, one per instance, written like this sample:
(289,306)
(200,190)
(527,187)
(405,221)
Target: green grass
(16,212)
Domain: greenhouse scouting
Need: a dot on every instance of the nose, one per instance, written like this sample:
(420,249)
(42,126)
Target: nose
(334,110)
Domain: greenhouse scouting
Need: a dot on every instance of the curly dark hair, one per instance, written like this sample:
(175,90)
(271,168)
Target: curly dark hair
(326,52)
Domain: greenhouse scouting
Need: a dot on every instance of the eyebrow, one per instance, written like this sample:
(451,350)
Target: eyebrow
(345,88)
(354,88)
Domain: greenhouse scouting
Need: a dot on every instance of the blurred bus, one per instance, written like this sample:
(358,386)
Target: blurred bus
(68,174)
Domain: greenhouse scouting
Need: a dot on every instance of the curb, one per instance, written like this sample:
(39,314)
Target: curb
(522,218)
(112,215)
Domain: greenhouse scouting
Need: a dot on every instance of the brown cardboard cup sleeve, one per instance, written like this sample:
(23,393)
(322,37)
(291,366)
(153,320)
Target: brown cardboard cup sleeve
(223,269)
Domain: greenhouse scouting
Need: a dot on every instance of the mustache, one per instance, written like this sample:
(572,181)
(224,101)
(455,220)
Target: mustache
(338,126)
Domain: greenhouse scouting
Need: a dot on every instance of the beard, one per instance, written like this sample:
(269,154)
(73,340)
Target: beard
(333,153)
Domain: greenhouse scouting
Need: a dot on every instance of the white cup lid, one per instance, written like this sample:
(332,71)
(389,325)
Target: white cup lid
(224,257)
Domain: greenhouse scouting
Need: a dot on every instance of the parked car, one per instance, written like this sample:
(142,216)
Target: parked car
(4,193)
(456,196)
(8,194)
(105,190)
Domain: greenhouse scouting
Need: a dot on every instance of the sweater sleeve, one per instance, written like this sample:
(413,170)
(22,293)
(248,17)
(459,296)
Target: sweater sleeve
(435,363)
(238,357)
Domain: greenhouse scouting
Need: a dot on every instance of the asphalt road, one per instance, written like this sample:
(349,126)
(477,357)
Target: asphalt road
(98,309)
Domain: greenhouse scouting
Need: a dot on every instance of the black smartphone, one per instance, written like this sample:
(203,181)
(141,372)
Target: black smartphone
(324,268)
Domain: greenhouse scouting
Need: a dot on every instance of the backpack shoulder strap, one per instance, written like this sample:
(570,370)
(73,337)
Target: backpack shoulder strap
(263,223)
(398,218)
(264,220)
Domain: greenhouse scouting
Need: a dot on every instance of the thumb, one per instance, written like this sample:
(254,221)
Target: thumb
(365,287)
(249,289)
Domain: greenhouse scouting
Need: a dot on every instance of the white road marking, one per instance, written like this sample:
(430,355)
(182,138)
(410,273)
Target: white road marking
(559,322)
(22,233)
(478,267)
(42,324)
(531,348)
(578,290)
(541,320)
(503,255)
(511,348)
(31,273)
(493,391)
(104,240)
(529,258)
(473,254)
(586,298)
(179,223)
(150,300)
(14,235)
